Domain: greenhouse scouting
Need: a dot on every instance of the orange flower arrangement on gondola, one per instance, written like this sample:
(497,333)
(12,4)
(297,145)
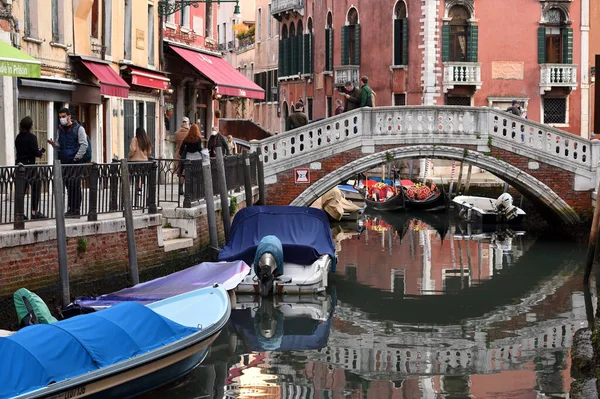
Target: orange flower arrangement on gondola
(419,192)
(381,191)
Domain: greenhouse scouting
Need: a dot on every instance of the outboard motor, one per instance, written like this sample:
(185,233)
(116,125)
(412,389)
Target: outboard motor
(268,263)
(504,206)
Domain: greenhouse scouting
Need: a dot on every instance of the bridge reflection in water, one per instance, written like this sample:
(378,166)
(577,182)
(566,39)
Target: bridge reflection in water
(419,308)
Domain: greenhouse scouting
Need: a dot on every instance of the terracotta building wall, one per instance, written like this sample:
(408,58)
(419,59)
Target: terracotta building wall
(594,50)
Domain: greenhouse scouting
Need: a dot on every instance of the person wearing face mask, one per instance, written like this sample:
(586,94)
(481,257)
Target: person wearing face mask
(217,140)
(71,148)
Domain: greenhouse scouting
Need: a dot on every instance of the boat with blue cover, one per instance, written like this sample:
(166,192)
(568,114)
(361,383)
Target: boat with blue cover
(290,249)
(119,352)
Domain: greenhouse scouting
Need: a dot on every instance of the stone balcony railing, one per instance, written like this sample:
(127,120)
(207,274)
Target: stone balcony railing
(557,75)
(281,6)
(462,73)
(345,73)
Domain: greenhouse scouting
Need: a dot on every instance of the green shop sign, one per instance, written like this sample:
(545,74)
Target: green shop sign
(14,62)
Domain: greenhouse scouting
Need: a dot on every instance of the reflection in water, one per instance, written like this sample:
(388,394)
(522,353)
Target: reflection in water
(419,308)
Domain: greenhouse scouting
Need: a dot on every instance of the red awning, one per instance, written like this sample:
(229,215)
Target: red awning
(111,84)
(145,78)
(228,80)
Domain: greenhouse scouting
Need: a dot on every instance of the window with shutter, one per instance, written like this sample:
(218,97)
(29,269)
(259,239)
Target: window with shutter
(404,41)
(473,42)
(287,57)
(281,57)
(355,56)
(446,43)
(567,42)
(398,42)
(327,49)
(330,59)
(298,49)
(345,45)
(541,45)
(308,53)
(400,34)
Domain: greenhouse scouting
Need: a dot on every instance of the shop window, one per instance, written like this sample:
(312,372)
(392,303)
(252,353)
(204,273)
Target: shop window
(400,34)
(555,110)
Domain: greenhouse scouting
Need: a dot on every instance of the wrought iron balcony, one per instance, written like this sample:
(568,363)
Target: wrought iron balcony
(279,7)
(557,75)
(461,74)
(345,73)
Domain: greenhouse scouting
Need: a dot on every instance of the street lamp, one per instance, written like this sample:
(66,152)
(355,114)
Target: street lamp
(166,7)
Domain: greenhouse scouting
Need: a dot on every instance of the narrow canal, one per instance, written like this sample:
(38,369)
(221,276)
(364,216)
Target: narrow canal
(419,308)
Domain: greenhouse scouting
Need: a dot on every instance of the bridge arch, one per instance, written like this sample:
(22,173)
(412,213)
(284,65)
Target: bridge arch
(547,201)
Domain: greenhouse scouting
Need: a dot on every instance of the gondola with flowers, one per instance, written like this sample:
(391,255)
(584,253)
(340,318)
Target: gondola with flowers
(422,197)
(383,197)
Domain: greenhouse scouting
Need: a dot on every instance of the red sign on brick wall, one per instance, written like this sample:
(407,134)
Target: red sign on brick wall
(302,176)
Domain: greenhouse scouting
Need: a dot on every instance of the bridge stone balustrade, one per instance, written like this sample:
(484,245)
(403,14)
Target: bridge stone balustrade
(554,169)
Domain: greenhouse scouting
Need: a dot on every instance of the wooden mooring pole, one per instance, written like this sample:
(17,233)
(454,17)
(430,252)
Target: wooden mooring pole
(128,214)
(468,183)
(593,241)
(261,178)
(61,232)
(209,195)
(224,196)
(247,179)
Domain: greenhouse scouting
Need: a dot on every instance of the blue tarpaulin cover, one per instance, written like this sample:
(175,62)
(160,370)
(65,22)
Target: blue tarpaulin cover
(304,233)
(272,245)
(40,354)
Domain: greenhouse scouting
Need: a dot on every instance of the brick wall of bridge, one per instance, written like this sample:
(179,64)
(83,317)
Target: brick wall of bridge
(560,181)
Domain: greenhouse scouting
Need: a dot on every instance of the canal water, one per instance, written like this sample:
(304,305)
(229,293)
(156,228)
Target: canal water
(419,307)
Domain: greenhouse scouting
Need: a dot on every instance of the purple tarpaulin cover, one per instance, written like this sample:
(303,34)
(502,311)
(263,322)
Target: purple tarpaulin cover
(227,274)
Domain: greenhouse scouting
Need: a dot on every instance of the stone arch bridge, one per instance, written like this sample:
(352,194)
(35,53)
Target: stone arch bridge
(554,169)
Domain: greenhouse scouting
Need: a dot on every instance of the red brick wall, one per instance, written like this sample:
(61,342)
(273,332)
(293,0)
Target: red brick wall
(560,181)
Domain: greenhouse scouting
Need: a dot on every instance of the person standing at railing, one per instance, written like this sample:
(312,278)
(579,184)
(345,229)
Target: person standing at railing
(180,135)
(71,147)
(139,150)
(340,108)
(515,108)
(231,145)
(27,148)
(217,140)
(353,96)
(297,118)
(192,146)
(366,94)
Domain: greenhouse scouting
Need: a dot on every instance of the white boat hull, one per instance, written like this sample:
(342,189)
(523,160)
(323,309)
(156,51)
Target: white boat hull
(296,279)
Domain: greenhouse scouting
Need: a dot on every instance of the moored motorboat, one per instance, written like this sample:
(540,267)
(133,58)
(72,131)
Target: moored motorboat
(488,211)
(290,249)
(226,274)
(119,352)
(352,194)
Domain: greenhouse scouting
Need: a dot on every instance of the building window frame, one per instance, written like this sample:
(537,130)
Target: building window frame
(57,23)
(184,16)
(151,29)
(107,25)
(95,20)
(543,106)
(258,30)
(269,21)
(400,29)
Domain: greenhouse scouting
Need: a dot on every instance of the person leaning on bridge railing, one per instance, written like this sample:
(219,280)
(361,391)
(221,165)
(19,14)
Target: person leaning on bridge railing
(27,148)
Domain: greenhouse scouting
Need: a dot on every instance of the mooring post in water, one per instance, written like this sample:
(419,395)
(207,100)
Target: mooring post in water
(506,187)
(411,166)
(223,192)
(209,195)
(592,243)
(61,232)
(247,179)
(468,183)
(261,177)
(129,227)
(460,173)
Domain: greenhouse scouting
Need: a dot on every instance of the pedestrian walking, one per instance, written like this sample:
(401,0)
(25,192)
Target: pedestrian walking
(215,140)
(180,135)
(139,151)
(353,97)
(72,147)
(231,145)
(339,109)
(366,94)
(515,108)
(27,148)
(297,118)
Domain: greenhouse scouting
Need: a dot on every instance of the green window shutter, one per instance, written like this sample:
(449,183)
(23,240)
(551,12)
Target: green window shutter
(472,43)
(330,59)
(327,49)
(306,52)
(293,57)
(345,45)
(281,57)
(446,42)
(311,53)
(541,45)
(287,57)
(356,56)
(398,42)
(298,41)
(567,42)
(404,41)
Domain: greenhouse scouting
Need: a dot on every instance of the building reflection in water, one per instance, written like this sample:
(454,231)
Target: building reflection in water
(422,309)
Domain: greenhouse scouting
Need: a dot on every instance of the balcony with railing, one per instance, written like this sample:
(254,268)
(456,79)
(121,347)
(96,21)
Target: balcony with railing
(279,7)
(557,75)
(462,74)
(345,73)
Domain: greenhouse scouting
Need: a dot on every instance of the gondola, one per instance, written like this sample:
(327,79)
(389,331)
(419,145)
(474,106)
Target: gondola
(435,202)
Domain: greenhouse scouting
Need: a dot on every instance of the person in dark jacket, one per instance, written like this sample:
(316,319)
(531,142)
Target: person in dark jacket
(71,145)
(515,109)
(27,148)
(339,108)
(353,97)
(366,94)
(215,140)
(297,118)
